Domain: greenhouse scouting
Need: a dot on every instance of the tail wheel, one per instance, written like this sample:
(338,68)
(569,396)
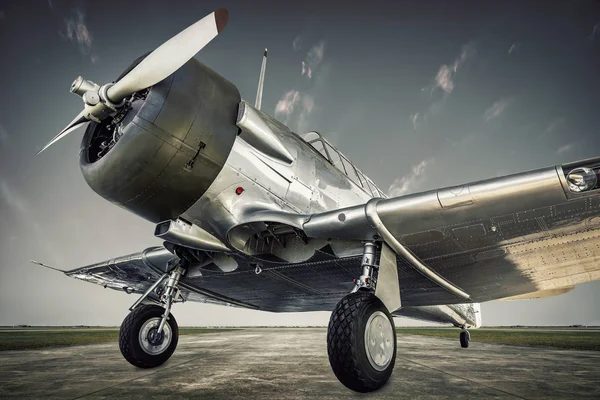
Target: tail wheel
(139,340)
(361,342)
(465,337)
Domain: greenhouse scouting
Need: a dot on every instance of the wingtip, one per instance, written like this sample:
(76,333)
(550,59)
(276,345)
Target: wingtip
(46,266)
(265,54)
(221,18)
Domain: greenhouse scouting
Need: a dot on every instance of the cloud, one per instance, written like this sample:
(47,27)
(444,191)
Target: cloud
(444,78)
(496,109)
(78,32)
(514,47)
(403,185)
(414,118)
(556,125)
(295,103)
(297,43)
(564,149)
(313,59)
(315,55)
(306,70)
(308,104)
(288,103)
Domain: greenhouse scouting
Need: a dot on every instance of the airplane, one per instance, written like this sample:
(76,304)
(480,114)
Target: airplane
(256,216)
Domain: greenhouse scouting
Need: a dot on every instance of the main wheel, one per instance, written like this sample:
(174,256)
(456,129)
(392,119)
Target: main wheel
(139,340)
(361,342)
(465,337)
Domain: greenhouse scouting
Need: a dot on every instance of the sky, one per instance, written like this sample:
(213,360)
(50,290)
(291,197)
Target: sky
(419,94)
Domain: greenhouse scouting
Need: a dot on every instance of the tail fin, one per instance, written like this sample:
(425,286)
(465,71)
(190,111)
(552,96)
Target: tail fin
(261,81)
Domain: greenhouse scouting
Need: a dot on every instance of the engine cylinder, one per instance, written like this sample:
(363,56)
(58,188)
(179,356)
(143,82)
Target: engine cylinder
(170,146)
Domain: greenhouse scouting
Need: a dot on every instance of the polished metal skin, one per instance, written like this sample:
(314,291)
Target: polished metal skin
(276,221)
(168,148)
(185,234)
(379,341)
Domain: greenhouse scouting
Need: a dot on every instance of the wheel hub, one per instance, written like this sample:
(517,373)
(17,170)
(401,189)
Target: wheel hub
(379,341)
(155,338)
(152,341)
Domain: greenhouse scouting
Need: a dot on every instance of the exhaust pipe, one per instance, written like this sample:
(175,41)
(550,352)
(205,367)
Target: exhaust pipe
(189,235)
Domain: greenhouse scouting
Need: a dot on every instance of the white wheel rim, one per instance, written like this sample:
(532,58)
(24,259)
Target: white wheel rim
(379,341)
(145,342)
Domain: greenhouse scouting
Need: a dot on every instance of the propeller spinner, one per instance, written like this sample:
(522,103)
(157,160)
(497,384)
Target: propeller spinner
(104,101)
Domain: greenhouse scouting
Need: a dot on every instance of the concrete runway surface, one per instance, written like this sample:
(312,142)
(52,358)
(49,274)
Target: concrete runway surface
(292,363)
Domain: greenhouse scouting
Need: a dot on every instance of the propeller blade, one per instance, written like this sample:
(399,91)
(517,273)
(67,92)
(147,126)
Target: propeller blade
(79,120)
(170,56)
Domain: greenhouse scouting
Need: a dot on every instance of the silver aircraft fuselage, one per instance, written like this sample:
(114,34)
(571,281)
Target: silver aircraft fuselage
(280,171)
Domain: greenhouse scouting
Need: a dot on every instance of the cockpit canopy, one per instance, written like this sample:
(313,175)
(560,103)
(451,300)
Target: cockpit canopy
(341,162)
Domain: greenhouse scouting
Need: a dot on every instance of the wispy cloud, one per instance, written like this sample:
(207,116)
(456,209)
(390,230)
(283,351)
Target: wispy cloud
(444,81)
(297,43)
(514,47)
(295,103)
(414,118)
(496,109)
(78,32)
(287,104)
(406,183)
(556,125)
(444,78)
(306,70)
(313,59)
(564,148)
(308,104)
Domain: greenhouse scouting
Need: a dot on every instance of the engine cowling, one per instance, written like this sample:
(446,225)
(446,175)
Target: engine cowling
(169,146)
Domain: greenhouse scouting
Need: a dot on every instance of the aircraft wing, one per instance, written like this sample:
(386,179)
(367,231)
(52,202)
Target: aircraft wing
(135,273)
(493,239)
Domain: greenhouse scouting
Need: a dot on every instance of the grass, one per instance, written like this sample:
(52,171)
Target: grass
(32,338)
(576,339)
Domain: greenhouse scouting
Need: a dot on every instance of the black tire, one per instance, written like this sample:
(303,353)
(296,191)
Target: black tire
(129,341)
(346,342)
(464,339)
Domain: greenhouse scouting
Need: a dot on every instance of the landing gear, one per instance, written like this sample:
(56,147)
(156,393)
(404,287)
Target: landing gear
(149,334)
(465,337)
(361,338)
(140,341)
(361,342)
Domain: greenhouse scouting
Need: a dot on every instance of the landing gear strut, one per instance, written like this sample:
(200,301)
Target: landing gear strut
(149,334)
(465,338)
(361,338)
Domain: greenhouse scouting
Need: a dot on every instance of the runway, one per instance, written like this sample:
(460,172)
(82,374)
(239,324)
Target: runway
(292,363)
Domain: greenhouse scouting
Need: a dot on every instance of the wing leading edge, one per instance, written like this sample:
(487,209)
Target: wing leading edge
(135,273)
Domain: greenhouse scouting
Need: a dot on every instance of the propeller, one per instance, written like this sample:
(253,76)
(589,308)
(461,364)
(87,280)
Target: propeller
(104,101)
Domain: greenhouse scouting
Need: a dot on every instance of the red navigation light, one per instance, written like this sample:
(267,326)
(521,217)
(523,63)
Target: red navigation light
(239,190)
